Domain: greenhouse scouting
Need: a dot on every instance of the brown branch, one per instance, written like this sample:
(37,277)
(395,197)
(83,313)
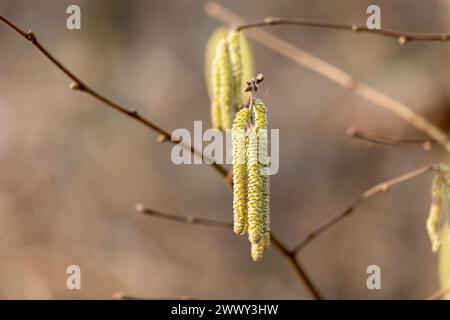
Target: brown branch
(288,255)
(124,296)
(389,141)
(381,187)
(80,85)
(331,72)
(402,36)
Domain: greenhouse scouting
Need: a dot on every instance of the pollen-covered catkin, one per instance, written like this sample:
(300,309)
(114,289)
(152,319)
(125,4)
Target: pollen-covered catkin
(240,171)
(215,98)
(234,47)
(261,128)
(226,86)
(435,213)
(256,220)
(257,249)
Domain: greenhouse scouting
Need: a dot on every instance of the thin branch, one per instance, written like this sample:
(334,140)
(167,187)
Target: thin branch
(402,36)
(389,141)
(81,86)
(123,296)
(381,187)
(331,72)
(288,255)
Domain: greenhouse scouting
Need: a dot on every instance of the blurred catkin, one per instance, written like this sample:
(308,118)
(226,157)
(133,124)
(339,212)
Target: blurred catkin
(216,117)
(435,212)
(234,47)
(226,85)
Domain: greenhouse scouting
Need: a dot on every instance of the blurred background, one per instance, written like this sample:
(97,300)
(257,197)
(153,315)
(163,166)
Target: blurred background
(72,170)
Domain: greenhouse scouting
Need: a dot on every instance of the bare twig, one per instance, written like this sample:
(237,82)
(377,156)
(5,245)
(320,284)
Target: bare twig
(402,36)
(331,72)
(288,255)
(80,85)
(381,187)
(123,296)
(389,141)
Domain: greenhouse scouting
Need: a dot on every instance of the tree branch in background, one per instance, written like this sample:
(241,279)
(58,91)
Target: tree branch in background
(402,36)
(331,72)
(80,85)
(389,141)
(289,256)
(381,187)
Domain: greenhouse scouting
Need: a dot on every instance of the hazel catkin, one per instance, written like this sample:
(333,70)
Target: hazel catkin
(225,88)
(215,99)
(240,171)
(234,48)
(261,128)
(256,220)
(435,213)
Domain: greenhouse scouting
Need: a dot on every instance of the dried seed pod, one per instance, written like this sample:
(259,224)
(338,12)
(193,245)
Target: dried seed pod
(256,220)
(216,117)
(435,213)
(226,86)
(234,47)
(240,171)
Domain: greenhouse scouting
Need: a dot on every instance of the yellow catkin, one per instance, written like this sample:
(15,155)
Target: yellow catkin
(256,220)
(226,86)
(435,213)
(261,127)
(257,249)
(240,171)
(234,48)
(215,99)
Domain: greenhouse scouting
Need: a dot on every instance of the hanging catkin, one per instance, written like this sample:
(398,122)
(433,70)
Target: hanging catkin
(215,98)
(435,213)
(261,127)
(226,87)
(240,171)
(234,47)
(255,218)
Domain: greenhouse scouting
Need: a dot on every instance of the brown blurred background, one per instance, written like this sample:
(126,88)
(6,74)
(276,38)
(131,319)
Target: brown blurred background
(72,170)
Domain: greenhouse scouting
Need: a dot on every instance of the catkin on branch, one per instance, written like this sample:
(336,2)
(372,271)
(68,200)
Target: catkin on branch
(256,220)
(226,86)
(240,171)
(234,47)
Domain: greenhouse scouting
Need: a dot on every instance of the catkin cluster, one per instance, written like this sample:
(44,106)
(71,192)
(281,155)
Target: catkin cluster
(440,191)
(226,79)
(250,177)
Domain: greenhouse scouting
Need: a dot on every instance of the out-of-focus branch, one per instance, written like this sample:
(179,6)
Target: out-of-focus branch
(282,249)
(389,141)
(124,296)
(402,36)
(331,72)
(80,85)
(381,187)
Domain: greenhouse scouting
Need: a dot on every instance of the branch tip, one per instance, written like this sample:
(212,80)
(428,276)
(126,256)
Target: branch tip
(140,208)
